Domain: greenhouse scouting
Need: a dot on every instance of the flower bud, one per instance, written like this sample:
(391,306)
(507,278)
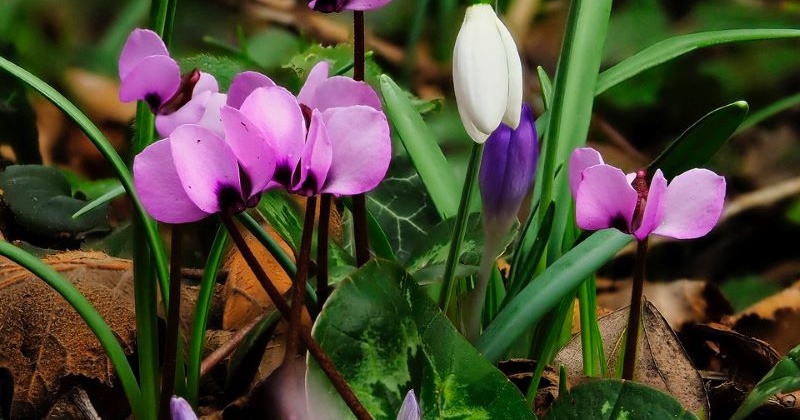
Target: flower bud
(330,6)
(487,73)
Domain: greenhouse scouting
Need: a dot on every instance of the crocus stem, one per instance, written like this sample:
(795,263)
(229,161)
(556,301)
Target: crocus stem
(173,325)
(359,200)
(322,249)
(299,288)
(635,317)
(325,363)
(460,228)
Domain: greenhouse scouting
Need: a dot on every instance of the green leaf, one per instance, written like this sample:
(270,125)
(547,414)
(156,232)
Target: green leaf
(699,142)
(784,377)
(422,148)
(676,46)
(39,199)
(100,201)
(541,295)
(402,208)
(272,47)
(386,337)
(224,69)
(431,250)
(614,399)
(546,86)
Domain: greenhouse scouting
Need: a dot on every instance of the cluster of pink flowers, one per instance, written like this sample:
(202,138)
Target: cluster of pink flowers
(220,151)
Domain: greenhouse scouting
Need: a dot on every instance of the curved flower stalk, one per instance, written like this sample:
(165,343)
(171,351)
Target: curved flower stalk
(148,73)
(331,6)
(688,207)
(487,73)
(508,168)
(195,173)
(331,145)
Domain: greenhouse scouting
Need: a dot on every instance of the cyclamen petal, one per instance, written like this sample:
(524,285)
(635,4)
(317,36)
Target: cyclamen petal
(154,80)
(604,199)
(487,73)
(141,43)
(362,149)
(693,204)
(207,167)
(581,159)
(330,6)
(253,151)
(314,165)
(244,84)
(276,113)
(323,92)
(160,188)
(654,208)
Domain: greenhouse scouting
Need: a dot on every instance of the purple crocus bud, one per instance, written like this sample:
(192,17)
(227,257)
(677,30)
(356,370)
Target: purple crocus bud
(410,408)
(180,409)
(507,170)
(338,146)
(331,6)
(508,167)
(195,173)
(148,73)
(687,207)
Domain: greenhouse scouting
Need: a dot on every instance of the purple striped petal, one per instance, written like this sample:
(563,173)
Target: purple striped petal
(181,410)
(410,408)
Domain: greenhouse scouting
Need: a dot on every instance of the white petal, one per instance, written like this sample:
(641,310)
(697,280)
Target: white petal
(514,65)
(480,70)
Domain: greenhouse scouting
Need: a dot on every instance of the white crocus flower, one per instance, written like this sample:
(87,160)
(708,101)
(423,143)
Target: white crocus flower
(487,73)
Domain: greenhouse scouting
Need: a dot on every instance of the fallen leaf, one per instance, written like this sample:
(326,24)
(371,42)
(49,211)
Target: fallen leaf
(661,363)
(245,296)
(47,344)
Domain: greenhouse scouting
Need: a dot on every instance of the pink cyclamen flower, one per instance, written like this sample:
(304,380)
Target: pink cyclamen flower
(330,6)
(332,145)
(180,409)
(148,73)
(686,208)
(195,173)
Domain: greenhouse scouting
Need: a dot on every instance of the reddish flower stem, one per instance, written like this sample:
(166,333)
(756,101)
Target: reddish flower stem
(299,289)
(325,363)
(635,315)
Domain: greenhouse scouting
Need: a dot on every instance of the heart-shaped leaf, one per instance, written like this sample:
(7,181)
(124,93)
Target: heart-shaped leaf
(386,337)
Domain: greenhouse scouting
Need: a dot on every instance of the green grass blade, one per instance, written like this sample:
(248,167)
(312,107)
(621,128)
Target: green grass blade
(99,201)
(546,86)
(770,111)
(422,147)
(674,47)
(93,320)
(540,296)
(202,309)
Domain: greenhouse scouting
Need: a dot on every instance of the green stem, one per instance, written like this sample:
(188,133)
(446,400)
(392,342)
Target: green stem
(460,228)
(587,316)
(89,315)
(635,316)
(173,325)
(145,297)
(323,237)
(202,309)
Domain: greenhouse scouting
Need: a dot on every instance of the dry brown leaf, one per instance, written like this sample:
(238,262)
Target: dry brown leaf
(46,342)
(774,319)
(661,360)
(245,296)
(680,302)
